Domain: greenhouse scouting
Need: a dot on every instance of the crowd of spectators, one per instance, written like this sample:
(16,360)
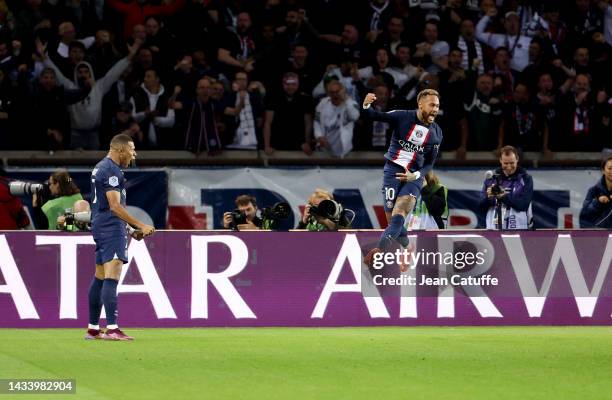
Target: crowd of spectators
(208,75)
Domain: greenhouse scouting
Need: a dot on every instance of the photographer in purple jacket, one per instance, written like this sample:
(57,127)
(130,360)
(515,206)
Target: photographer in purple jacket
(507,193)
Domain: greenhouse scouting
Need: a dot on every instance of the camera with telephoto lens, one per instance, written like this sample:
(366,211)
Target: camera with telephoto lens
(334,211)
(238,218)
(328,209)
(21,188)
(81,220)
(270,216)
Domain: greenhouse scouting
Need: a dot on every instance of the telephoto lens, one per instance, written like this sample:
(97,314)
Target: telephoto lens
(19,188)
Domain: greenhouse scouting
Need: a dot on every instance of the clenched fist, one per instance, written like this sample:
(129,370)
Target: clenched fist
(369,99)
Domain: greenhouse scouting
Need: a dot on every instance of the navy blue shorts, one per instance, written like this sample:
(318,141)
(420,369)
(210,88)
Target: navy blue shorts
(393,188)
(111,248)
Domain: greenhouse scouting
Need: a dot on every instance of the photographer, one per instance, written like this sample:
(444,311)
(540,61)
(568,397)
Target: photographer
(597,207)
(506,194)
(244,217)
(76,219)
(49,204)
(12,213)
(431,209)
(323,213)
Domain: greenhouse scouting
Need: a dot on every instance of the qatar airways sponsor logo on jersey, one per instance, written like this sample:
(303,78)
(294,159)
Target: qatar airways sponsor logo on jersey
(411,147)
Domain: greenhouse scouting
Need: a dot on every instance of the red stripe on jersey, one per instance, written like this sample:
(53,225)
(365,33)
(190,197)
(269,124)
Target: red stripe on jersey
(397,153)
(414,154)
(410,131)
(426,137)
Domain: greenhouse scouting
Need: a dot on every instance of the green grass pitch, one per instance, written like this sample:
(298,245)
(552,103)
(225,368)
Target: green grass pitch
(319,363)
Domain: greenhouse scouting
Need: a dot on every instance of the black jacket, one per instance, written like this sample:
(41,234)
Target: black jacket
(595,214)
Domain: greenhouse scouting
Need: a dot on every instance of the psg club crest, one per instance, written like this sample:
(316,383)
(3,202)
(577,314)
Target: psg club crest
(419,134)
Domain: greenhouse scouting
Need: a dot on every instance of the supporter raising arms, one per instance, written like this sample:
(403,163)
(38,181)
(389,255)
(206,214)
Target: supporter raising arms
(86,115)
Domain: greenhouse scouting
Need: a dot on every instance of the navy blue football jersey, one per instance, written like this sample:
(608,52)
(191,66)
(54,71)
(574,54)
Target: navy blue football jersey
(106,176)
(414,146)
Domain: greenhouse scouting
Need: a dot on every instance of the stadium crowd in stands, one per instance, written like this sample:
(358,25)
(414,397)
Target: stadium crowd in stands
(207,75)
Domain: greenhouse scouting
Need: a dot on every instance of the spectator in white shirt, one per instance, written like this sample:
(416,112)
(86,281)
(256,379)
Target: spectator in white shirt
(334,120)
(343,73)
(517,44)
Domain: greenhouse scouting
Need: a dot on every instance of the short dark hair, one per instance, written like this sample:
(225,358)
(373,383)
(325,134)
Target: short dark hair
(507,150)
(299,44)
(153,17)
(521,83)
(432,21)
(245,199)
(502,48)
(427,92)
(605,161)
(76,44)
(120,140)
(126,107)
(403,44)
(151,69)
(48,70)
(290,75)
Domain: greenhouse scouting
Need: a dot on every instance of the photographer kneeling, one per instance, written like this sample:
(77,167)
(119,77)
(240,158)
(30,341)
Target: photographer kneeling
(323,213)
(244,217)
(507,193)
(62,194)
(76,219)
